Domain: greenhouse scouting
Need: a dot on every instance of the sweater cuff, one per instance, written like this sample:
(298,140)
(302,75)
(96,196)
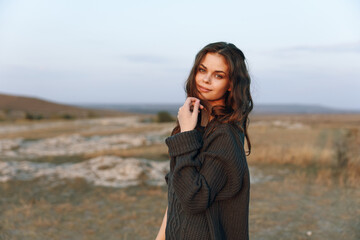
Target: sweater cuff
(184,142)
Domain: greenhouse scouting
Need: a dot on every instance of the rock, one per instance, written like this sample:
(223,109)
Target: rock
(111,171)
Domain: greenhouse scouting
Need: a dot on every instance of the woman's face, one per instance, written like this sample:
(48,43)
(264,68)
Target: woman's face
(212,79)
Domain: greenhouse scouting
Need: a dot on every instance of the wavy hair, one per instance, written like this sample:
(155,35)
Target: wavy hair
(238,101)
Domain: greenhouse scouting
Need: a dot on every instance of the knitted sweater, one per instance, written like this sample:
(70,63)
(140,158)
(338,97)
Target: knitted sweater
(208,185)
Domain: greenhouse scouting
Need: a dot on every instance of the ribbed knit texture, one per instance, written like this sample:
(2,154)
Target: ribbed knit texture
(208,185)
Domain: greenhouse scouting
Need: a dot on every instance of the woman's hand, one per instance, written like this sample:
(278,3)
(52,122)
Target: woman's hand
(161,233)
(188,119)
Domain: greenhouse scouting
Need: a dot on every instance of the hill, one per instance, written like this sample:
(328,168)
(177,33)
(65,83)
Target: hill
(173,108)
(24,107)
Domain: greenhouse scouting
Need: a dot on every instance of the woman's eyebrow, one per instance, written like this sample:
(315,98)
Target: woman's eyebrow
(221,72)
(203,65)
(218,71)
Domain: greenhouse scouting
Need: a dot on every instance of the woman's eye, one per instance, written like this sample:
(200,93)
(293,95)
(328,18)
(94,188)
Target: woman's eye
(219,76)
(201,70)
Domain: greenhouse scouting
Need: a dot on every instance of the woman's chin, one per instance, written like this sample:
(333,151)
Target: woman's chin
(200,96)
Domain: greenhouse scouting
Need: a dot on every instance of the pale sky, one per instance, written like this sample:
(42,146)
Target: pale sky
(305,52)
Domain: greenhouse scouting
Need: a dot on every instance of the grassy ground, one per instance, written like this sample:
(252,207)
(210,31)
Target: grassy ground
(313,192)
(77,210)
(289,206)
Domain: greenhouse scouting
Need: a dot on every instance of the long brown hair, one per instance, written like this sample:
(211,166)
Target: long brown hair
(238,101)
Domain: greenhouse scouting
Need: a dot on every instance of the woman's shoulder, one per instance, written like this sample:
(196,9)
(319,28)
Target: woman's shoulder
(226,131)
(214,129)
(227,127)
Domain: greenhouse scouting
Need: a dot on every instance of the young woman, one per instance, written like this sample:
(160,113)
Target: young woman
(208,182)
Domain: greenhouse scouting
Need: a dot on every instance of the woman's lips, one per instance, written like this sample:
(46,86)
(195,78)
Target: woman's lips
(203,89)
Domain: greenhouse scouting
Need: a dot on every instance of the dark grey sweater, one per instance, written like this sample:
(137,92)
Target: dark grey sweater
(208,185)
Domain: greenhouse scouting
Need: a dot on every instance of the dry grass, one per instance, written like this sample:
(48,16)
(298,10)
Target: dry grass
(286,207)
(308,141)
(296,205)
(153,127)
(322,144)
(313,120)
(152,152)
(313,192)
(77,210)
(85,130)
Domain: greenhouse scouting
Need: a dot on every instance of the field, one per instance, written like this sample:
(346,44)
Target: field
(103,178)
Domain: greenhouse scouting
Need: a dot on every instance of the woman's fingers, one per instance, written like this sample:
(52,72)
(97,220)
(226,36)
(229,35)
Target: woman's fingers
(190,101)
(196,108)
(188,114)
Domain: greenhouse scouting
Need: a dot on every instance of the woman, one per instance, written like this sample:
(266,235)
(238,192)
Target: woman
(208,182)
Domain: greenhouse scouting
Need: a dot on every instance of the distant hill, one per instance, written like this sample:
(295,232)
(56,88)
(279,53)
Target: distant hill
(258,109)
(24,107)
(298,109)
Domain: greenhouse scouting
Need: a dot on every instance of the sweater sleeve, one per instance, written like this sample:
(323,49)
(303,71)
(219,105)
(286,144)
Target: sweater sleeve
(167,178)
(216,172)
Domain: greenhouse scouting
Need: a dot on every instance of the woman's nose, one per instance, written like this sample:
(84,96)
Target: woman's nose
(206,78)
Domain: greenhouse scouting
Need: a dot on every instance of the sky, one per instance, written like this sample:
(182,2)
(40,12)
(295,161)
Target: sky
(298,52)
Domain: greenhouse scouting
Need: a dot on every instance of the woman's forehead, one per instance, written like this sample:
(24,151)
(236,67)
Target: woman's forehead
(215,62)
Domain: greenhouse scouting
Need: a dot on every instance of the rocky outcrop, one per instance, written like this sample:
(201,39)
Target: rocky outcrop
(108,171)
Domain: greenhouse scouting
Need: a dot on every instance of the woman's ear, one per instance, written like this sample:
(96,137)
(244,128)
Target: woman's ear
(229,89)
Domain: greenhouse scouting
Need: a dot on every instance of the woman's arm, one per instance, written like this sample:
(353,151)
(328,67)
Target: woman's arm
(161,234)
(215,172)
